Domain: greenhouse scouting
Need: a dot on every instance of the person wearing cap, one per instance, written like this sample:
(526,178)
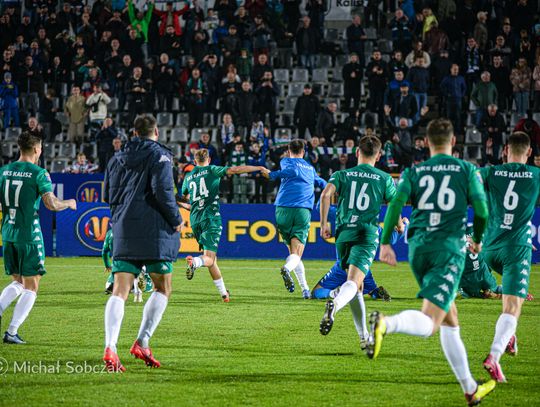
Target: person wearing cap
(9,92)
(404,106)
(306,111)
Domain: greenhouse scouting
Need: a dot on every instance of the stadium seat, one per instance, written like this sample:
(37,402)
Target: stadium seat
(336,90)
(113,106)
(283,135)
(385,46)
(320,75)
(369,119)
(281,75)
(179,135)
(331,34)
(13,133)
(340,61)
(196,134)
(296,89)
(300,75)
(165,120)
(285,120)
(290,104)
(371,33)
(49,150)
(323,61)
(208,120)
(472,153)
(176,149)
(514,118)
(62,118)
(182,119)
(175,104)
(59,165)
(7,149)
(90,150)
(473,136)
(68,150)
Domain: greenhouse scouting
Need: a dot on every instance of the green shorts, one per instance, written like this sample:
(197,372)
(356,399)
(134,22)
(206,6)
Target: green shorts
(24,259)
(514,263)
(135,266)
(207,233)
(354,254)
(293,222)
(475,282)
(438,274)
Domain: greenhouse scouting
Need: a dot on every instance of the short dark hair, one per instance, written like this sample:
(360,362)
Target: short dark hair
(519,142)
(144,125)
(27,141)
(201,155)
(296,146)
(370,146)
(440,132)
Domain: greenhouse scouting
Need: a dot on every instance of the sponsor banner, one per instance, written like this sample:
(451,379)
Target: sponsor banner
(249,231)
(81,187)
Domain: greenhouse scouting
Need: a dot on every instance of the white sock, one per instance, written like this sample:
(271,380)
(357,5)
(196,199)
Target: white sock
(152,313)
(21,311)
(300,273)
(346,293)
(198,262)
(220,285)
(410,322)
(504,330)
(455,353)
(9,294)
(136,289)
(292,262)
(114,313)
(358,309)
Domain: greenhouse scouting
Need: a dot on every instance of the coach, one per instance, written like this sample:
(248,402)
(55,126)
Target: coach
(145,220)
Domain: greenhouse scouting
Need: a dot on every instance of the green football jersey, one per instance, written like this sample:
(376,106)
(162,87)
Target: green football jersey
(202,185)
(440,190)
(362,190)
(21,187)
(512,190)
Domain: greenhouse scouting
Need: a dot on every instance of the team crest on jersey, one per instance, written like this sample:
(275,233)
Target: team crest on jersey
(508,219)
(92,226)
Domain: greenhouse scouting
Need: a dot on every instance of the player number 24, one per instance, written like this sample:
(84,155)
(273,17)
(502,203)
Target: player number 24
(203,191)
(18,185)
(446,197)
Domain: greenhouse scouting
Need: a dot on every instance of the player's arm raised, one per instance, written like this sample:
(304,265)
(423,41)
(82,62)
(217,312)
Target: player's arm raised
(326,198)
(54,204)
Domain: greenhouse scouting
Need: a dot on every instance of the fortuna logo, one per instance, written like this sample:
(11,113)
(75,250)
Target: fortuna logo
(439,297)
(449,277)
(164,159)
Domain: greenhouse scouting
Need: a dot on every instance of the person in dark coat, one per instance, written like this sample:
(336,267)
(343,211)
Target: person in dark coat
(306,111)
(376,73)
(500,76)
(352,73)
(104,139)
(356,38)
(326,125)
(267,92)
(139,188)
(307,44)
(492,127)
(246,105)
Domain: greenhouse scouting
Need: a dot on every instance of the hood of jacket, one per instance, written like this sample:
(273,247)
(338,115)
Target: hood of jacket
(138,150)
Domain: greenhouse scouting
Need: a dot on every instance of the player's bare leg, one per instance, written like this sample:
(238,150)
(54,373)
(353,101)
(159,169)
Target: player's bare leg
(114,313)
(348,291)
(10,293)
(215,272)
(505,330)
(209,259)
(23,307)
(137,292)
(293,263)
(153,311)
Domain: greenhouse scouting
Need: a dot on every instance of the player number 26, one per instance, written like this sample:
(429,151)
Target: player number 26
(446,197)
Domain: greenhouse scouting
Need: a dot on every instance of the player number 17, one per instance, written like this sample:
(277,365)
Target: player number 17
(18,185)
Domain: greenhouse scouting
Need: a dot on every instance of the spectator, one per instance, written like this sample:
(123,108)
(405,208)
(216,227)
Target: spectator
(326,124)
(140,23)
(196,92)
(429,21)
(75,108)
(480,31)
(500,75)
(211,73)
(453,90)
(397,63)
(416,52)
(166,83)
(353,74)
(230,88)
(247,106)
(97,107)
(484,93)
(244,64)
(500,49)
(356,38)
(230,46)
(9,104)
(307,44)
(392,92)
(30,81)
(81,166)
(418,77)
(471,63)
(259,69)
(376,74)
(436,40)
(170,16)
(492,127)
(306,111)
(227,131)
(521,84)
(204,142)
(47,113)
(350,128)
(267,93)
(135,89)
(532,128)
(106,139)
(257,156)
(316,10)
(421,152)
(260,37)
(536,78)
(33,126)
(401,35)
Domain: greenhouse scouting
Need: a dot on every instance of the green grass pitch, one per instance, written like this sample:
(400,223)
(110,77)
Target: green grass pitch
(263,348)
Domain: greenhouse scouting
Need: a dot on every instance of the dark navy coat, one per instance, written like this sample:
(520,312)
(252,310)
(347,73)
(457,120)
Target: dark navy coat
(139,187)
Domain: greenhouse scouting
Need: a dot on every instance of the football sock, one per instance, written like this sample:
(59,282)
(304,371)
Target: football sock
(198,262)
(504,330)
(114,313)
(321,293)
(9,294)
(292,262)
(220,285)
(136,289)
(152,313)
(21,311)
(358,309)
(455,353)
(346,294)
(410,322)
(300,273)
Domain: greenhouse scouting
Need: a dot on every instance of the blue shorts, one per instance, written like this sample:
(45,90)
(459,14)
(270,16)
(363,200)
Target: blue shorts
(337,277)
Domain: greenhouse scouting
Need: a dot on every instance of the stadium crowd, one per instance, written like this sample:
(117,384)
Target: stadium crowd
(241,78)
